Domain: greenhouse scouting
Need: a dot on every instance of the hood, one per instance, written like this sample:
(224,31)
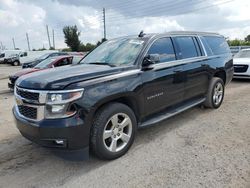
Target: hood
(241,61)
(59,78)
(24,72)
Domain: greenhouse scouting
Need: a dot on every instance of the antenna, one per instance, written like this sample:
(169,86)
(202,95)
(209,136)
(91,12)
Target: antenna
(141,34)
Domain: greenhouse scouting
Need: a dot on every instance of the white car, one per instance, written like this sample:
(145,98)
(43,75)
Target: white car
(242,64)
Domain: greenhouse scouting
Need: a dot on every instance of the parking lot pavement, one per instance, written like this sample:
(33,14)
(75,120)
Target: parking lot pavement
(5,71)
(198,148)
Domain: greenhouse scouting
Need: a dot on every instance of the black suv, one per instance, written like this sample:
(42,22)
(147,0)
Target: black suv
(124,84)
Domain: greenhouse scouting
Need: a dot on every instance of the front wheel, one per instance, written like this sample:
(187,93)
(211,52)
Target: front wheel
(215,94)
(113,131)
(16,63)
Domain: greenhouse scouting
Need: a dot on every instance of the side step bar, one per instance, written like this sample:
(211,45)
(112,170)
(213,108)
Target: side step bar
(171,112)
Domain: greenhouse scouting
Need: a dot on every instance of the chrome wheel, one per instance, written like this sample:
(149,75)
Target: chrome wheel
(117,132)
(218,93)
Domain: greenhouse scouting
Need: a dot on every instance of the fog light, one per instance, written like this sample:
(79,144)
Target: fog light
(57,108)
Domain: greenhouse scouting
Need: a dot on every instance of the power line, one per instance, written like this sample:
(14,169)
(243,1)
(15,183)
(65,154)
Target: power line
(180,13)
(163,9)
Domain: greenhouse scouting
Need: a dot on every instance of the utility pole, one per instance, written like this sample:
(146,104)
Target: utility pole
(48,35)
(27,36)
(53,37)
(14,45)
(104,23)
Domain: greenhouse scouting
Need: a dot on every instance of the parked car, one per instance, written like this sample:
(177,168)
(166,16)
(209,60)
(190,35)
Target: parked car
(6,55)
(242,64)
(237,49)
(13,60)
(122,85)
(36,61)
(45,64)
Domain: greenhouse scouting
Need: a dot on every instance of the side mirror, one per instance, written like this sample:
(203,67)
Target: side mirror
(150,60)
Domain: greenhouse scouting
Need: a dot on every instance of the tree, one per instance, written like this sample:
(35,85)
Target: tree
(247,39)
(71,36)
(100,42)
(235,42)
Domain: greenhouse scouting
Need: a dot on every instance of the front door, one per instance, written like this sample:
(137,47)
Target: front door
(163,84)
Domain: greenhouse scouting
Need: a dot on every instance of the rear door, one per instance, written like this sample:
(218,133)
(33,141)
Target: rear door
(195,66)
(163,84)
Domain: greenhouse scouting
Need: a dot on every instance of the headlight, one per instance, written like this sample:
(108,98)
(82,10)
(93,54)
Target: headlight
(59,104)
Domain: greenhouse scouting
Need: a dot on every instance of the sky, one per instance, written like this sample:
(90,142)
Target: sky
(124,17)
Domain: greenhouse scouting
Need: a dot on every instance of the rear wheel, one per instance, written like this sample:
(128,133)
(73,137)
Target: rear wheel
(113,131)
(215,94)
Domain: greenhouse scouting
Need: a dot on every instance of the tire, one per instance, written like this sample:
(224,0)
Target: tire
(215,94)
(16,63)
(121,133)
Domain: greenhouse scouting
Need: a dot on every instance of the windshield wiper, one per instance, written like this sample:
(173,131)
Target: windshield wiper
(101,63)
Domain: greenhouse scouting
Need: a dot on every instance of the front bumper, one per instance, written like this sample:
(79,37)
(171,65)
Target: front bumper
(72,132)
(242,74)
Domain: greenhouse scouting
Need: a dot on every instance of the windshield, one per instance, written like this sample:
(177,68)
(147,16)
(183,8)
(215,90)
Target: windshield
(76,59)
(44,56)
(45,63)
(117,52)
(243,54)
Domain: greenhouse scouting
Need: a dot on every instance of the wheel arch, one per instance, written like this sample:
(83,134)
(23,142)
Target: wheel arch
(221,74)
(127,99)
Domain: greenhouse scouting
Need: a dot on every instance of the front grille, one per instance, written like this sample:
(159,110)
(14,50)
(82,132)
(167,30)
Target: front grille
(240,68)
(28,112)
(27,95)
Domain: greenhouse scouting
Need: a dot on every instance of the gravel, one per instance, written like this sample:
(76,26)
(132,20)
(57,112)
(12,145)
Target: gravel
(198,148)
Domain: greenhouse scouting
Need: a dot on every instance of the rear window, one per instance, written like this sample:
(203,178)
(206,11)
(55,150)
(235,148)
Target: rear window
(217,44)
(186,46)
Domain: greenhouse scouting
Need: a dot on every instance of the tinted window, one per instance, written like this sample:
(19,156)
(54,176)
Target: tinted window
(187,48)
(206,46)
(54,54)
(164,48)
(217,44)
(2,55)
